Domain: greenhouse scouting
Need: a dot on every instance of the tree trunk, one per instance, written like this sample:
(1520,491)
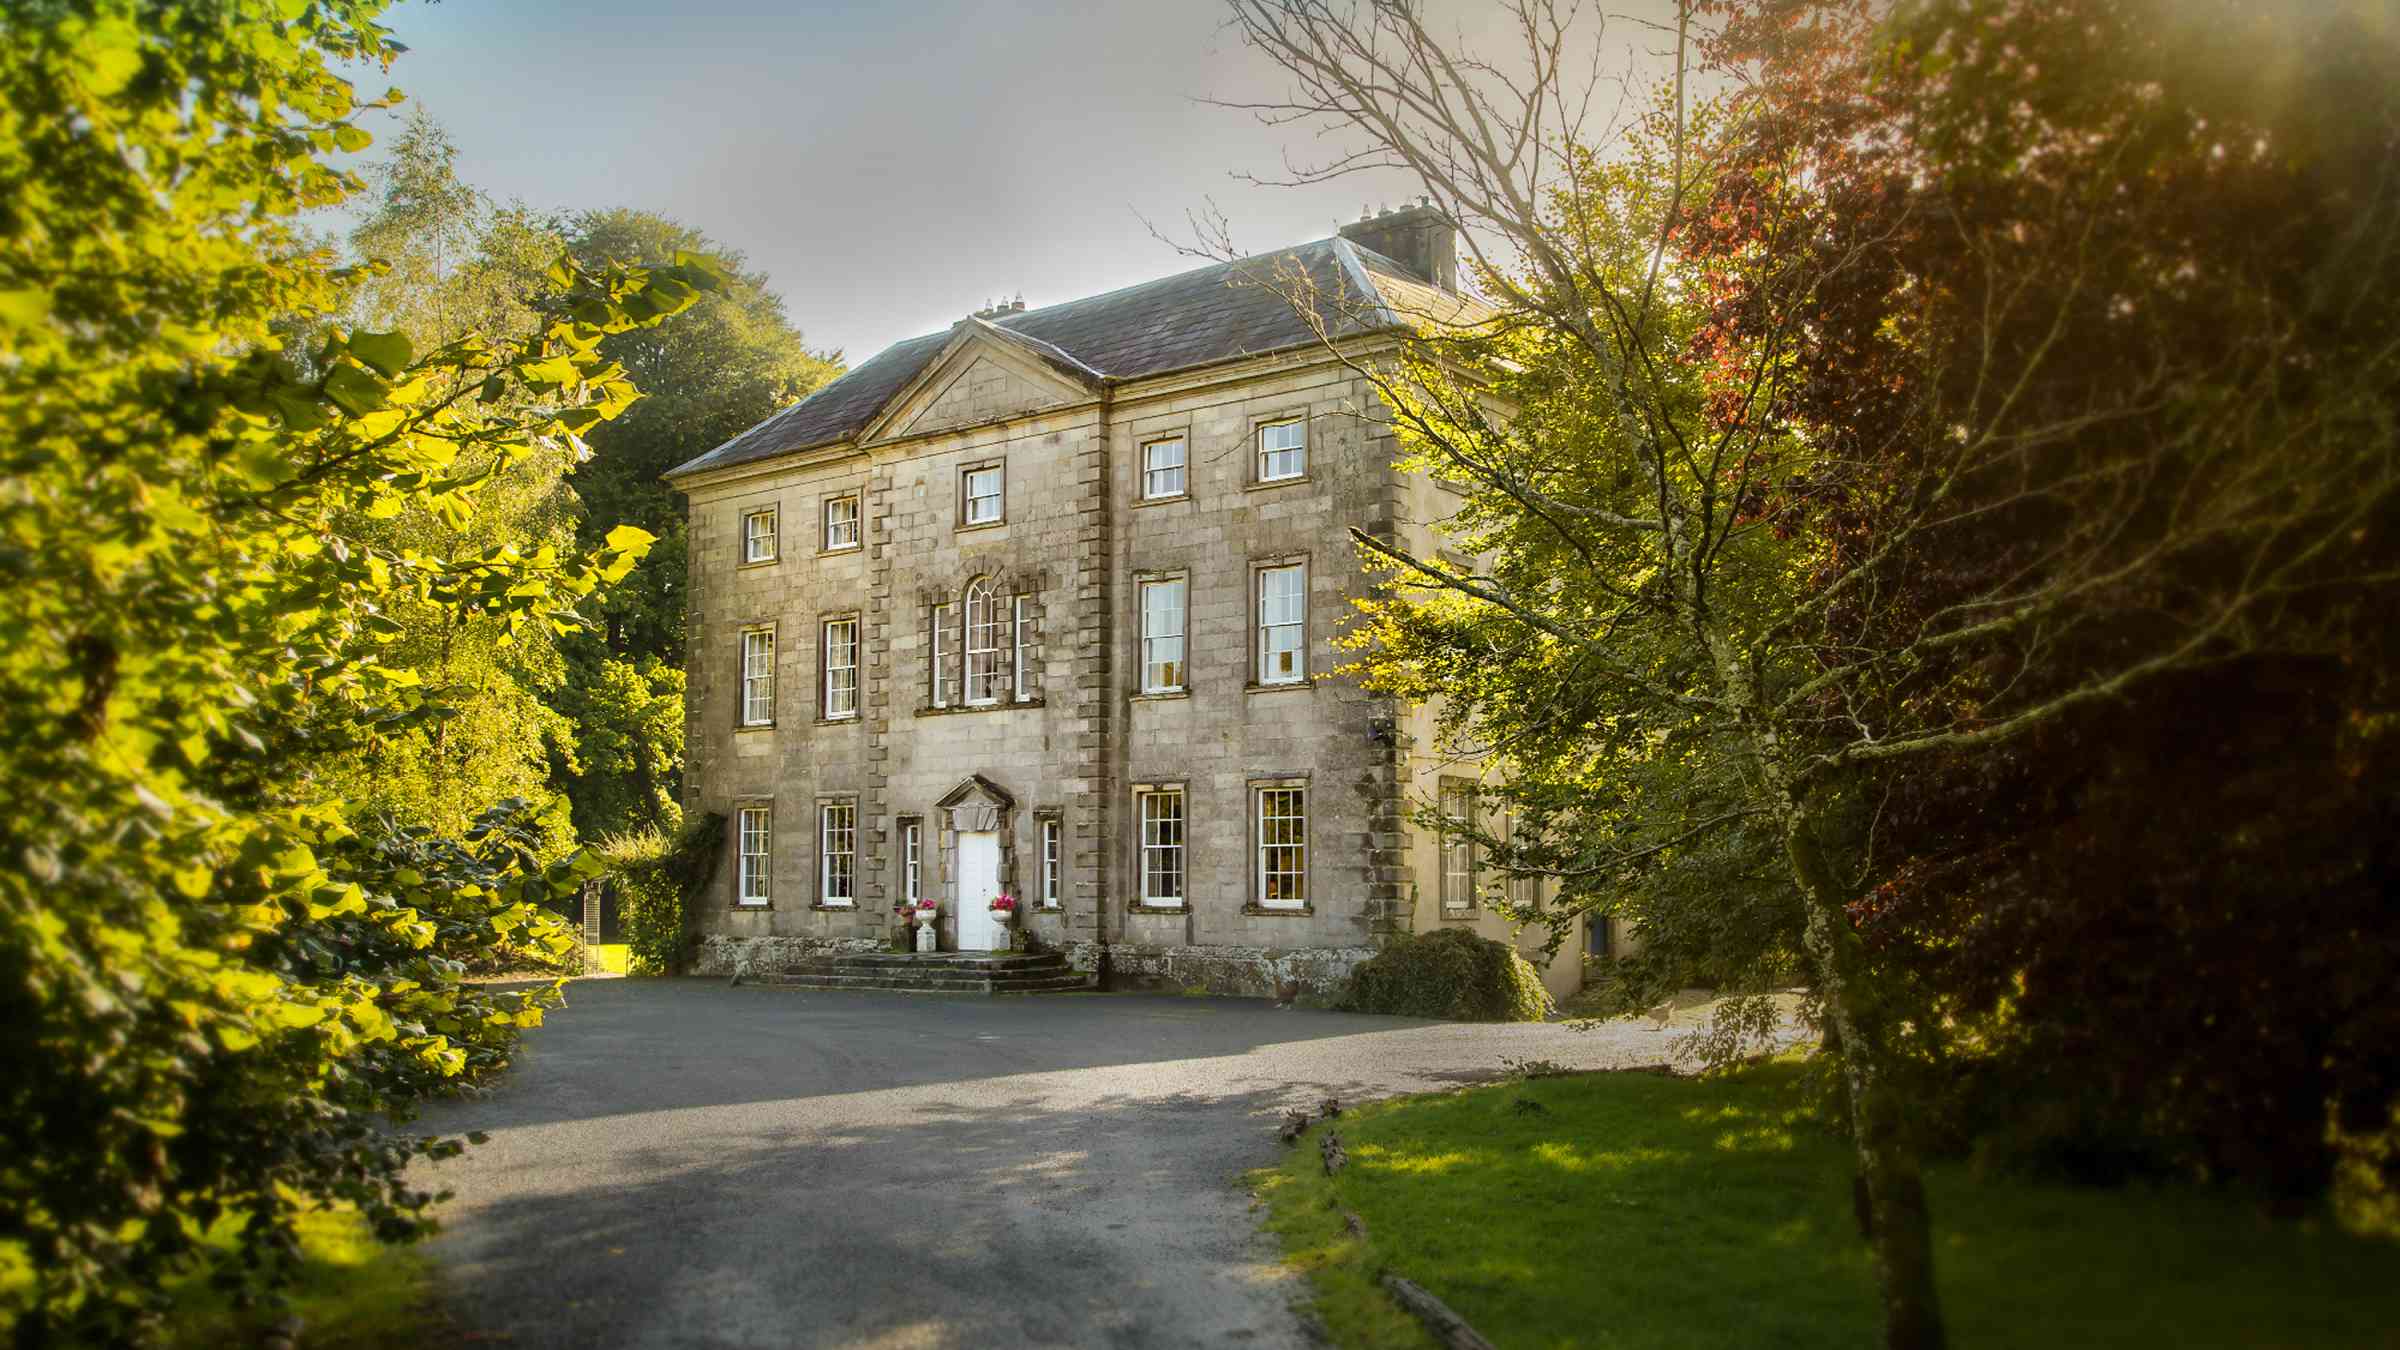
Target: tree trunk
(1862,1209)
(1901,1230)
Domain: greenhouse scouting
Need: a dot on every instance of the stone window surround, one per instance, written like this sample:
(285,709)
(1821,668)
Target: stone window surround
(1257,905)
(741,674)
(1137,903)
(1467,909)
(816,889)
(900,882)
(1000,621)
(1521,889)
(1251,477)
(858,521)
(752,802)
(1045,820)
(741,542)
(1141,465)
(1018,596)
(858,669)
(1019,688)
(936,616)
(1142,578)
(1257,615)
(977,466)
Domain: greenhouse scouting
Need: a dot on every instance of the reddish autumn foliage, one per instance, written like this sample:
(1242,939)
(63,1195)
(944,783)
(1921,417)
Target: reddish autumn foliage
(2145,243)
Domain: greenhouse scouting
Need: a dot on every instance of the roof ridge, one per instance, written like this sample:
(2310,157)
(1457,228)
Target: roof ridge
(1184,275)
(1146,328)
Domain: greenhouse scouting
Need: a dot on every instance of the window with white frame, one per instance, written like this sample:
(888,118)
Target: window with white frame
(1282,623)
(841,667)
(837,849)
(1459,860)
(1160,811)
(980,491)
(1162,636)
(938,657)
(758,536)
(1282,449)
(912,860)
(1020,668)
(758,676)
(756,846)
(1162,468)
(1282,847)
(983,643)
(1050,843)
(841,521)
(1523,889)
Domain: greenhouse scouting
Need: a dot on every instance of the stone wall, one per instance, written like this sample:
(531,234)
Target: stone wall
(1318,974)
(752,957)
(1076,539)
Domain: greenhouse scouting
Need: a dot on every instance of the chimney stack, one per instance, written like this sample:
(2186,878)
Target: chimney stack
(1418,238)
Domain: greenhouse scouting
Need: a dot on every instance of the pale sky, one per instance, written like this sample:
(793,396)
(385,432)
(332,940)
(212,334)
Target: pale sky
(890,167)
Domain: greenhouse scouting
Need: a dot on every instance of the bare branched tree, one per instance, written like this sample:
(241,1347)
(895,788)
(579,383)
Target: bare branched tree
(1800,436)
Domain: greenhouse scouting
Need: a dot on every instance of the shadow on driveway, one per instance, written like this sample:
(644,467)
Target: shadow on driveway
(682,1164)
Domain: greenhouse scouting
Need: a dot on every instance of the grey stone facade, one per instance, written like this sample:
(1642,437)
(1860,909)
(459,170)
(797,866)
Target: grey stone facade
(1063,736)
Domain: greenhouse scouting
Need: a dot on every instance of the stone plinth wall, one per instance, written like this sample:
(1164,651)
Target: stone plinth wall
(750,957)
(1241,972)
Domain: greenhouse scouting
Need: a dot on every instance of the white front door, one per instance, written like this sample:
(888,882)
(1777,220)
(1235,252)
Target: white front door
(978,882)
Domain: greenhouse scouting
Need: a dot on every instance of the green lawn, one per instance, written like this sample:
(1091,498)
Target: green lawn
(1639,1210)
(354,1293)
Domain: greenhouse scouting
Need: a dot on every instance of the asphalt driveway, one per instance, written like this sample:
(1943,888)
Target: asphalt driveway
(677,1163)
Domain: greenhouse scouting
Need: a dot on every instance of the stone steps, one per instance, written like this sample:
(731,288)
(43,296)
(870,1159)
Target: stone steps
(936,973)
(922,984)
(941,961)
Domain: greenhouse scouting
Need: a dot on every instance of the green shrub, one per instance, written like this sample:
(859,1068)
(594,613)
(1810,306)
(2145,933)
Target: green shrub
(1450,973)
(657,879)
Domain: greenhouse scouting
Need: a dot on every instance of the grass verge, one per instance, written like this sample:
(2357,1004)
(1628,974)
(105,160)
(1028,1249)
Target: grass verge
(1638,1210)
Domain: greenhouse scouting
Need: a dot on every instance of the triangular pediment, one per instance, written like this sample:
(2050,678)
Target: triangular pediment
(976,787)
(984,374)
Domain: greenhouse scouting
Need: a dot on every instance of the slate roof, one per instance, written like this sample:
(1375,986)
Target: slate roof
(1194,318)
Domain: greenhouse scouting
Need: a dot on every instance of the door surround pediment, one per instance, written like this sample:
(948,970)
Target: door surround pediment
(976,804)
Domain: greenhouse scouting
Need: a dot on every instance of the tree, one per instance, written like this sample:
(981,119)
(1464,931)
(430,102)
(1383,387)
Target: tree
(1761,373)
(215,986)
(443,264)
(2104,905)
(714,372)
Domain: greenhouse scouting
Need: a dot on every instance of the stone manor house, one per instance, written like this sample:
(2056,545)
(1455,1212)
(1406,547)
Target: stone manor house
(1045,604)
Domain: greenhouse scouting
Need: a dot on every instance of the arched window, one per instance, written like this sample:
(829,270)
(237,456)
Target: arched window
(985,621)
